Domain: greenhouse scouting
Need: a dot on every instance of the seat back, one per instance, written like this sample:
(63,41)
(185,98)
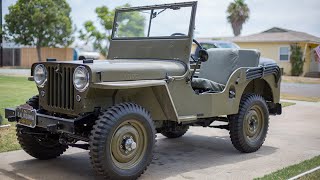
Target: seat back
(248,58)
(223,62)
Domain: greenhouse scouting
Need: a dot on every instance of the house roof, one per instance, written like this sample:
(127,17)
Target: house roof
(276,34)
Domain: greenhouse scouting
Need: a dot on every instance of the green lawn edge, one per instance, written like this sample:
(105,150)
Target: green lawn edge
(291,171)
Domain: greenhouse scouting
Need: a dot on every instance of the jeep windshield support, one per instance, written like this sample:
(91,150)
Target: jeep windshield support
(146,86)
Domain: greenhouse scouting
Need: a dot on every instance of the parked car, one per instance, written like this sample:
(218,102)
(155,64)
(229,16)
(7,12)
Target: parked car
(226,44)
(79,54)
(117,106)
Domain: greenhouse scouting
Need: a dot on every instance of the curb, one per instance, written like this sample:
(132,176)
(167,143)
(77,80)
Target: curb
(305,173)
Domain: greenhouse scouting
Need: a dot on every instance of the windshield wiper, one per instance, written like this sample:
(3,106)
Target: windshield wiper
(155,14)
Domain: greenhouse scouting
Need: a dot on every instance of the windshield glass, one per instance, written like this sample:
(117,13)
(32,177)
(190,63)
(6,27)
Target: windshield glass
(165,22)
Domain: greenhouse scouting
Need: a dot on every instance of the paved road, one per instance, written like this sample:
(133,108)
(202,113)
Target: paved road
(299,89)
(203,153)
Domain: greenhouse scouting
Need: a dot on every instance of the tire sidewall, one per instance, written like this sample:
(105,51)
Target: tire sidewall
(250,103)
(128,173)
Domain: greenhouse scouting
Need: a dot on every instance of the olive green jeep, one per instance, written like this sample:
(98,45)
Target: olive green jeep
(115,107)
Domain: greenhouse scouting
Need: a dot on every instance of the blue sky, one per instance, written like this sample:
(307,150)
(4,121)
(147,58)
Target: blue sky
(211,14)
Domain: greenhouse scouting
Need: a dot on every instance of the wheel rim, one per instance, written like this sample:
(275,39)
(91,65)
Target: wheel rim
(128,144)
(254,123)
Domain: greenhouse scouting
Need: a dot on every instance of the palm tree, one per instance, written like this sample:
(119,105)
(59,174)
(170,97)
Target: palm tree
(238,13)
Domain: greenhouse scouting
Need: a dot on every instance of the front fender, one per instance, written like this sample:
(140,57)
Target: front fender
(153,95)
(128,84)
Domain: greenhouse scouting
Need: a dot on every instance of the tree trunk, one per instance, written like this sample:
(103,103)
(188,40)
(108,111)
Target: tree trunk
(39,53)
(236,27)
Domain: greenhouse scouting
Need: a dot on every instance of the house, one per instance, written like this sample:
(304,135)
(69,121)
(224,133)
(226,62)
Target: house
(275,43)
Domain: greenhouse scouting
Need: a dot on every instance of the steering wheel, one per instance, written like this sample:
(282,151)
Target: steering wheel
(197,61)
(193,40)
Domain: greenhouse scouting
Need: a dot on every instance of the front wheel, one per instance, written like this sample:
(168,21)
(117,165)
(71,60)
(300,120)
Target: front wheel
(39,143)
(248,128)
(122,142)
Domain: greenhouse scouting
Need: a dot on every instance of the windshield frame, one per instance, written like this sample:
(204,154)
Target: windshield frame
(152,8)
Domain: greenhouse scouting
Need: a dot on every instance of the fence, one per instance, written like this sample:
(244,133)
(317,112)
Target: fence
(11,56)
(25,57)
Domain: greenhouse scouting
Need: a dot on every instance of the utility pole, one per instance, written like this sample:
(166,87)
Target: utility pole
(1,37)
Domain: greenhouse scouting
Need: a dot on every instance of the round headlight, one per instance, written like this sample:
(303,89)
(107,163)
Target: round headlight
(81,78)
(40,75)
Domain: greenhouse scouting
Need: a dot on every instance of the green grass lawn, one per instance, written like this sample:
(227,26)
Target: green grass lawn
(296,169)
(13,91)
(299,98)
(286,104)
(312,176)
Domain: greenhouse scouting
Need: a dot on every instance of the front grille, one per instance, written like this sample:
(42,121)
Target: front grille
(60,87)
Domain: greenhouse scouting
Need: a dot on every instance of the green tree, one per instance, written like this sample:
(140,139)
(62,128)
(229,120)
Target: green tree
(238,13)
(40,23)
(90,33)
(129,24)
(296,59)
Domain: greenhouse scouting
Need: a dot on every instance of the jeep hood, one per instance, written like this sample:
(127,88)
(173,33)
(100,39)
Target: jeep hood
(126,70)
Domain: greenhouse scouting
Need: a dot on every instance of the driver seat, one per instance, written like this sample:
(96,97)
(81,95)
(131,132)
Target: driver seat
(215,72)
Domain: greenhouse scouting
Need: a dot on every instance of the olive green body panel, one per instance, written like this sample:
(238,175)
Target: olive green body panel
(155,98)
(128,84)
(189,104)
(166,97)
(175,49)
(177,101)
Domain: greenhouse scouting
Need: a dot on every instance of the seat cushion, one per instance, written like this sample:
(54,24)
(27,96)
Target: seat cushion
(223,62)
(206,85)
(220,65)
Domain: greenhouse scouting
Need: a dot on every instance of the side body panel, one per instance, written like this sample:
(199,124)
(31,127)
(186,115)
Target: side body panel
(192,106)
(176,100)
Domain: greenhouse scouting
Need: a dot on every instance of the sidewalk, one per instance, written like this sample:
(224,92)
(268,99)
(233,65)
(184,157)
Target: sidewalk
(15,72)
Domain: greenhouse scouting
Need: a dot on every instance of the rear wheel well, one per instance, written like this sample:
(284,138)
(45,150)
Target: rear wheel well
(261,87)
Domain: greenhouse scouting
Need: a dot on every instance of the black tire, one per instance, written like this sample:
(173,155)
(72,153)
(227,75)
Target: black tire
(176,133)
(248,128)
(43,147)
(104,136)
(34,102)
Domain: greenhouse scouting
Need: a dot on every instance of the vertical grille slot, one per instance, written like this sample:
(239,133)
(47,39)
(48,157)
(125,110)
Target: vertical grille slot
(60,88)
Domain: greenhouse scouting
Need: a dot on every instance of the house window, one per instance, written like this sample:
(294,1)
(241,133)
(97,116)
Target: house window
(284,53)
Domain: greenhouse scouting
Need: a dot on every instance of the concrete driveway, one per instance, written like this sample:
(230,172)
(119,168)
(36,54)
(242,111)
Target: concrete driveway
(203,153)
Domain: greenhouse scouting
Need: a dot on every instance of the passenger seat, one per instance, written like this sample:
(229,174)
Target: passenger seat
(215,72)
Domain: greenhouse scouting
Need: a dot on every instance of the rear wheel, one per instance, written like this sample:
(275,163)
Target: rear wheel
(122,142)
(248,128)
(175,132)
(37,142)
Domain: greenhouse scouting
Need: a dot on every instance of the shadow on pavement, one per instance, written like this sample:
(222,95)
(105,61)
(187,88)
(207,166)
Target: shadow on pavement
(172,157)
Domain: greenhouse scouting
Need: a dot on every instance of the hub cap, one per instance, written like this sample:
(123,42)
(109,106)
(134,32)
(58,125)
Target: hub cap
(253,123)
(128,144)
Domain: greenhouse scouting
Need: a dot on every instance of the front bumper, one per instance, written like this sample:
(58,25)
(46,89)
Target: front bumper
(52,123)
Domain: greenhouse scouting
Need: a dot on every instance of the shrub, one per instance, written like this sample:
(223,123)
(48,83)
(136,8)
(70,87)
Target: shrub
(296,59)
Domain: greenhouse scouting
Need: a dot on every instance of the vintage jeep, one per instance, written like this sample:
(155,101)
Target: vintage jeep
(116,106)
